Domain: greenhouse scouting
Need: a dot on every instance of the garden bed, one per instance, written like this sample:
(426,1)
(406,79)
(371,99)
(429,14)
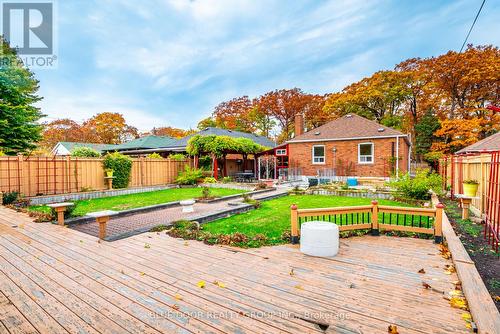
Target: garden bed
(485,259)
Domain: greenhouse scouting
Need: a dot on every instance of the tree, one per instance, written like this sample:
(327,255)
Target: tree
(85,152)
(59,130)
(19,130)
(282,105)
(262,122)
(424,130)
(110,128)
(171,132)
(234,114)
(208,122)
(456,134)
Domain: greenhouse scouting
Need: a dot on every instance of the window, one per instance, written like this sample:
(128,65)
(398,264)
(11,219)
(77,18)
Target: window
(318,154)
(281,151)
(365,153)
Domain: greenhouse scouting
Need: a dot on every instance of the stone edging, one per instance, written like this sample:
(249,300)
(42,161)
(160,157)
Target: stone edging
(484,311)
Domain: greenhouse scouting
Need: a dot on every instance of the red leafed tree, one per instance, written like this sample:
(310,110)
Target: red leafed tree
(235,114)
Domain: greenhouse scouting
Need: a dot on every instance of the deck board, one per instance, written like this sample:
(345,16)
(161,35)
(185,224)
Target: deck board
(54,279)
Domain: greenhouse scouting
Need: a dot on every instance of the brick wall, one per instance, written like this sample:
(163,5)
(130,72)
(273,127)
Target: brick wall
(347,152)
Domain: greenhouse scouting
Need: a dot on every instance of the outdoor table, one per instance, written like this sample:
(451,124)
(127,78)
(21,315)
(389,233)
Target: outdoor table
(102,218)
(465,203)
(245,176)
(60,208)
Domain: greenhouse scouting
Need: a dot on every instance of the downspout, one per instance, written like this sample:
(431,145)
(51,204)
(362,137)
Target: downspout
(409,154)
(397,157)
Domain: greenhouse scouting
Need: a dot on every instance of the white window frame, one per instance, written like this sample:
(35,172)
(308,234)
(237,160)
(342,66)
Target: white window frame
(372,155)
(280,151)
(313,156)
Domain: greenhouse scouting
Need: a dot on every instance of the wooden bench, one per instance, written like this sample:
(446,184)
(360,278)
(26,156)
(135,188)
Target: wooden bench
(102,218)
(60,208)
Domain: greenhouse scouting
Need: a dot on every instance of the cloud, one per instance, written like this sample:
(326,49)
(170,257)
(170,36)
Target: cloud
(171,61)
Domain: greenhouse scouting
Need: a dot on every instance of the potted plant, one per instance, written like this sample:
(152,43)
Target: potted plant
(470,187)
(109,172)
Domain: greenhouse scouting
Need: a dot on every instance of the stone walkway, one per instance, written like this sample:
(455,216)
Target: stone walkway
(121,227)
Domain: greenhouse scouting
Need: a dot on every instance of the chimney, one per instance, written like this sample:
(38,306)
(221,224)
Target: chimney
(299,125)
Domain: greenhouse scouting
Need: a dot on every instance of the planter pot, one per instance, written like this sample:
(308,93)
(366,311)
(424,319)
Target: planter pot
(109,174)
(470,190)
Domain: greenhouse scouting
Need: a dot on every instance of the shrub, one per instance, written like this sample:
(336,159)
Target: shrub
(206,193)
(249,200)
(85,152)
(209,180)
(261,185)
(470,182)
(227,179)
(177,157)
(418,187)
(121,166)
(10,197)
(189,176)
(2,153)
(154,156)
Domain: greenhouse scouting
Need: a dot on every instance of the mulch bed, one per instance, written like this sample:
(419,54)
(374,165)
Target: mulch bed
(472,236)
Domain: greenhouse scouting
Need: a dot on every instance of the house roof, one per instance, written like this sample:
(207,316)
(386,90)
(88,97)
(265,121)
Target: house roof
(261,140)
(98,147)
(488,144)
(350,126)
(147,142)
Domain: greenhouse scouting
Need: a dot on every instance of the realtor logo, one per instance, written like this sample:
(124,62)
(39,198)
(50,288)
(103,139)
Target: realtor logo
(29,27)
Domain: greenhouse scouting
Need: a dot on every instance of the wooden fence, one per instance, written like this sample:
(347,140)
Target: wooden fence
(455,169)
(374,217)
(34,176)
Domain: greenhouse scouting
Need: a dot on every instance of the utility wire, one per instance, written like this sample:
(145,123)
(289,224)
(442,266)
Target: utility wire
(472,26)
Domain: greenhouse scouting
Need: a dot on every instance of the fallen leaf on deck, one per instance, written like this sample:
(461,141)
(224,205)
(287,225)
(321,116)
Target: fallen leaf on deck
(81,241)
(496,298)
(392,329)
(426,286)
(466,316)
(458,302)
(352,286)
(98,241)
(121,271)
(291,272)
(445,252)
(201,284)
(449,269)
(298,287)
(147,246)
(219,284)
(175,307)
(142,273)
(178,296)
(186,243)
(421,271)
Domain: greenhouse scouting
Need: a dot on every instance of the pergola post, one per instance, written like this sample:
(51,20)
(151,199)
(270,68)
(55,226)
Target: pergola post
(215,167)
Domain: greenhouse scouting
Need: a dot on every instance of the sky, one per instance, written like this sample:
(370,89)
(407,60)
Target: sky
(170,62)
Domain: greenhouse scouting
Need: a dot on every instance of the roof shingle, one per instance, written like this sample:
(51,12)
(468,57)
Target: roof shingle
(488,144)
(350,126)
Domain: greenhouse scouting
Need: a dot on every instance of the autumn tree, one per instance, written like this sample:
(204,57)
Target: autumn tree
(171,132)
(234,114)
(110,128)
(455,134)
(59,130)
(208,122)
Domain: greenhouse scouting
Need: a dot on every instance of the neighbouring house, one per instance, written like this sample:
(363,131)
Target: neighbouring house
(145,145)
(348,146)
(487,145)
(65,148)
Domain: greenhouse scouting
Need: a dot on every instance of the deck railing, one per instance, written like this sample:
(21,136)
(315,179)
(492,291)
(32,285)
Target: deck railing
(374,217)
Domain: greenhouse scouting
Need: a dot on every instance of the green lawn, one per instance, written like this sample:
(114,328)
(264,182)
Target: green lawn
(273,217)
(124,202)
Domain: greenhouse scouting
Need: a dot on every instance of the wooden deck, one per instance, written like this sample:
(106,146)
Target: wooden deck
(58,280)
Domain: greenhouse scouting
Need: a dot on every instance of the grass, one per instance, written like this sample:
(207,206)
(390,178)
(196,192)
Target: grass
(125,202)
(272,219)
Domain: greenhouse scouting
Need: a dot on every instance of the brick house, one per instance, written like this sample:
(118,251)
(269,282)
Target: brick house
(349,146)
